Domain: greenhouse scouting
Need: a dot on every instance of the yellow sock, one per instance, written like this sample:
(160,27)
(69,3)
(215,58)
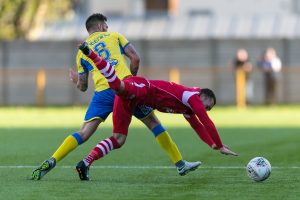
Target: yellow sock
(68,145)
(167,144)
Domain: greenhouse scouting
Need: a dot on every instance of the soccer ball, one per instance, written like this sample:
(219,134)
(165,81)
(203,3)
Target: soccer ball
(258,169)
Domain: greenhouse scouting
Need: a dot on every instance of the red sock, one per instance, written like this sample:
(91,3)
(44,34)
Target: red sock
(101,149)
(99,62)
(106,70)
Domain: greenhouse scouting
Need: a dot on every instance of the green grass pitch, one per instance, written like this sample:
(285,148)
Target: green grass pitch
(140,169)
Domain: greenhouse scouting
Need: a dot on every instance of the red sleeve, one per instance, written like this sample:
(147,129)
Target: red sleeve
(199,128)
(198,108)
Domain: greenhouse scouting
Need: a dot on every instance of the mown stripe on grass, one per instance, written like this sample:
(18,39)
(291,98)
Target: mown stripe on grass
(139,167)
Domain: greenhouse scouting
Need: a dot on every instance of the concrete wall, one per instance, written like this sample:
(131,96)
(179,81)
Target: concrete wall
(203,63)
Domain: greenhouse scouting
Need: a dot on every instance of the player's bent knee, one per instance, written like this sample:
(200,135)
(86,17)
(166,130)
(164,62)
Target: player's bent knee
(120,138)
(151,121)
(89,128)
(84,136)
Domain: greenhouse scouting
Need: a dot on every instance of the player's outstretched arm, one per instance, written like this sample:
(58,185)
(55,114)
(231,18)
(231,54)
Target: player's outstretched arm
(200,112)
(202,133)
(81,80)
(73,75)
(200,130)
(225,150)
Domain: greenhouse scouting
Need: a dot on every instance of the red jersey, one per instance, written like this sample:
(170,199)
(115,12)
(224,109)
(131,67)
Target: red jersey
(170,97)
(166,97)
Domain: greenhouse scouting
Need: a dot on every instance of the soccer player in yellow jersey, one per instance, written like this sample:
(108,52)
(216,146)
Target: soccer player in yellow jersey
(111,46)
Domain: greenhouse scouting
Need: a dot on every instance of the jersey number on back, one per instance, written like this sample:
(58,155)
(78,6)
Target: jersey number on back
(102,51)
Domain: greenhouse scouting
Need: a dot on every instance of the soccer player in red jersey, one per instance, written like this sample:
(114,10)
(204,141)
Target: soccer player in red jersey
(113,47)
(161,95)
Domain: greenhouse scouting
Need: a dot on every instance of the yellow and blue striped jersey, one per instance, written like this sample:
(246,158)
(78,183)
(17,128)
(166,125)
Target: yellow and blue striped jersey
(110,46)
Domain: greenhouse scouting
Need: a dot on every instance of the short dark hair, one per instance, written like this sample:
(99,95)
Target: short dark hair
(94,19)
(209,93)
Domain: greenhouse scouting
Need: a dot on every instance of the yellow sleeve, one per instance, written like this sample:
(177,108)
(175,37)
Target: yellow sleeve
(123,41)
(80,68)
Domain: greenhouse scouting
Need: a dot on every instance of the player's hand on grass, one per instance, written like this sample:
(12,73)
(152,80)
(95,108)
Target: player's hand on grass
(73,75)
(225,150)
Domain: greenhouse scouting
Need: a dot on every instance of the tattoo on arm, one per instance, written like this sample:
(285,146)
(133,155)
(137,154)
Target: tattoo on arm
(82,83)
(131,53)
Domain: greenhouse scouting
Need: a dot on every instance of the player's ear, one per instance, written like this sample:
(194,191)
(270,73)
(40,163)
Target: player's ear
(104,26)
(99,26)
(202,97)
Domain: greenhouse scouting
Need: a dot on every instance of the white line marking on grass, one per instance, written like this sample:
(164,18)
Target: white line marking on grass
(138,167)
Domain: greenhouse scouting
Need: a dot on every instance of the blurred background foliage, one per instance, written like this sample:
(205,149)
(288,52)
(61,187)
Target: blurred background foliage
(19,17)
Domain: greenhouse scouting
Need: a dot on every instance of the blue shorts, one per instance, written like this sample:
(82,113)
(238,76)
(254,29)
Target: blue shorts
(102,105)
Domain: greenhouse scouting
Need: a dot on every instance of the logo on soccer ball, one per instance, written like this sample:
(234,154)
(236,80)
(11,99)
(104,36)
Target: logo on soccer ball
(258,169)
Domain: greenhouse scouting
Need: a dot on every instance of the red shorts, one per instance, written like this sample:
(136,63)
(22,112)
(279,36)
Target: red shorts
(136,92)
